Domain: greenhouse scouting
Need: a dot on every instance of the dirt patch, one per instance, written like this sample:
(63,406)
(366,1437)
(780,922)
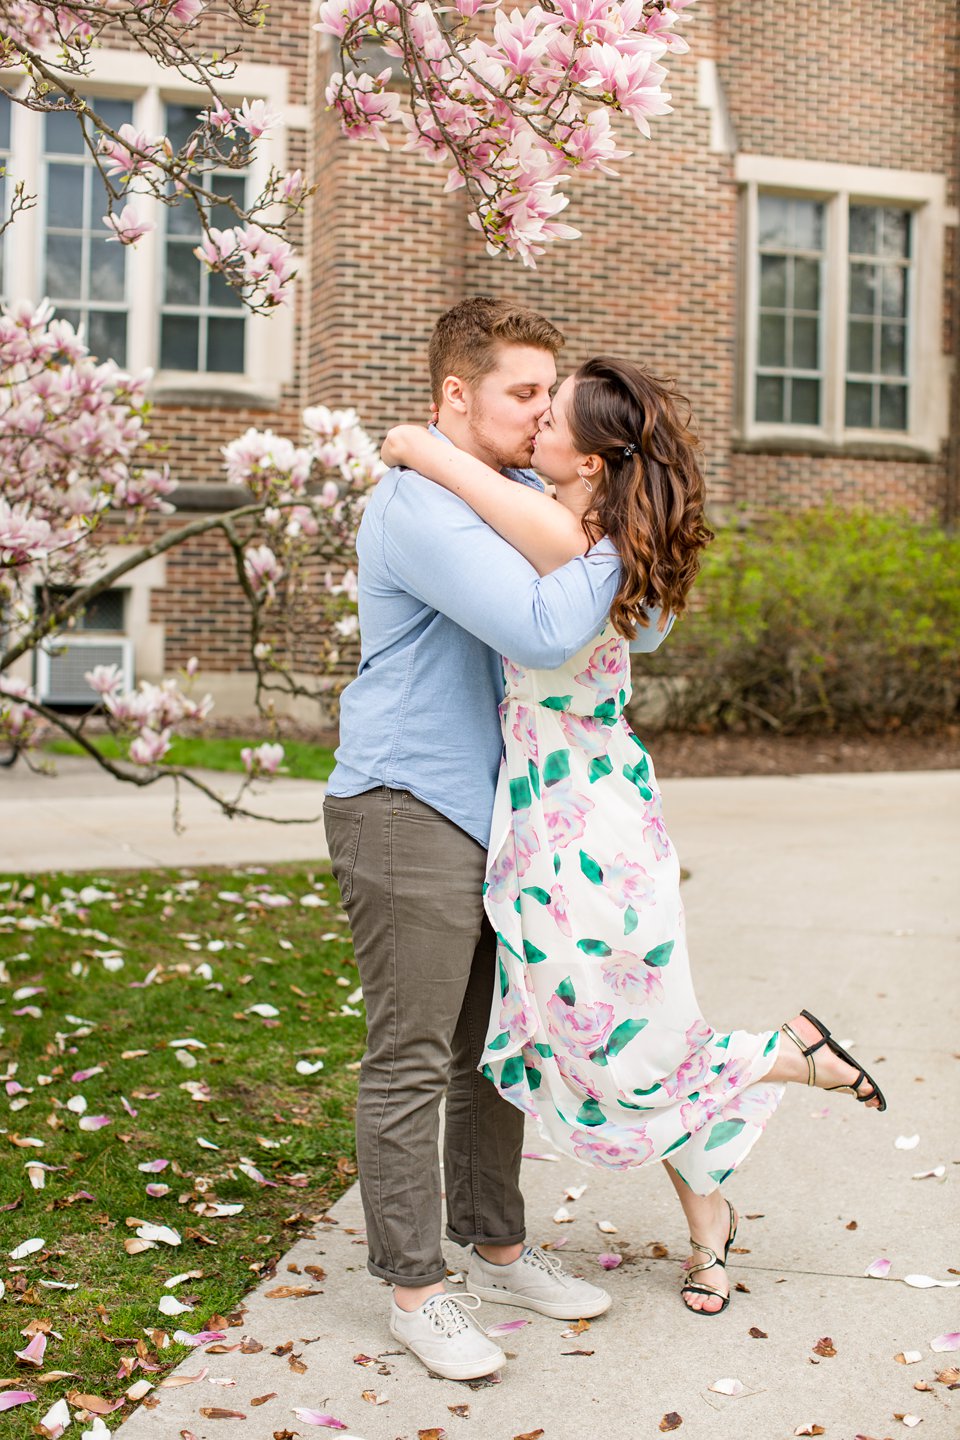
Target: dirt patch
(703,755)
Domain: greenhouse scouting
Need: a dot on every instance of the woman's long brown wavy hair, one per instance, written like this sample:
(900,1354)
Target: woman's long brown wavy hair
(650,502)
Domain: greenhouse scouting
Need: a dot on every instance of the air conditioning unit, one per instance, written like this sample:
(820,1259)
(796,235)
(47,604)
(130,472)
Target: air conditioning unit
(63,661)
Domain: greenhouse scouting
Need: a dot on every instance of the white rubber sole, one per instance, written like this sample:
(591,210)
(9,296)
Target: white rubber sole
(463,1371)
(556,1310)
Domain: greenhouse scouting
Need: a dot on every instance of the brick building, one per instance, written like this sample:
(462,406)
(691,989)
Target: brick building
(785,247)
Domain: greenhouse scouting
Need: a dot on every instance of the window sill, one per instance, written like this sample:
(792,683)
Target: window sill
(887,447)
(212,392)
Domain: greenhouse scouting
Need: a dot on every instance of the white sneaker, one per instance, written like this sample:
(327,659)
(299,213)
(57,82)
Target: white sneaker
(536,1281)
(444,1335)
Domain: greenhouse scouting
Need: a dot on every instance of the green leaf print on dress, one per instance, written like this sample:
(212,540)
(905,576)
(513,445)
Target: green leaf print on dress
(599,767)
(556,767)
(520,794)
(590,1114)
(532,954)
(623,1034)
(723,1132)
(630,920)
(660,954)
(590,868)
(557,702)
(534,774)
(593,947)
(512,1071)
(537,892)
(566,992)
(634,773)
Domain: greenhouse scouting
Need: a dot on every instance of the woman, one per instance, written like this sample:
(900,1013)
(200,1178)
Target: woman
(595,1029)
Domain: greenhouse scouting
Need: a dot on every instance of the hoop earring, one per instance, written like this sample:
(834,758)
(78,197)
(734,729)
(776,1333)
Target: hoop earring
(584,481)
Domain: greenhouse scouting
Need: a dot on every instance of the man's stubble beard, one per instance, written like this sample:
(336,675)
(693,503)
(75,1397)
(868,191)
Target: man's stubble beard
(492,445)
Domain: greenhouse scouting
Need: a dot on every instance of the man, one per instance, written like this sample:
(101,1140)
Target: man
(407,815)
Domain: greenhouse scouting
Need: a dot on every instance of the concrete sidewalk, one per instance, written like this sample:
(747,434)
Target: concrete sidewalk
(81,818)
(838,893)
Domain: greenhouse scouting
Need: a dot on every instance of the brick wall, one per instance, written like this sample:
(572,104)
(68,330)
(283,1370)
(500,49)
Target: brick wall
(654,276)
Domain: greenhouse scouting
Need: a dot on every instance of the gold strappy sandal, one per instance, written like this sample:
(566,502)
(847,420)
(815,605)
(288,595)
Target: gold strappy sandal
(807,1051)
(708,1265)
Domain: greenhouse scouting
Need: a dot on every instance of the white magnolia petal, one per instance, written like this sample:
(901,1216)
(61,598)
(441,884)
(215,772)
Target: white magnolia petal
(728,1387)
(27,1247)
(907,1142)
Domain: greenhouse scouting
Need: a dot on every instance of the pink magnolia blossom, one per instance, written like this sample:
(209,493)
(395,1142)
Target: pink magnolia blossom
(254,117)
(149,747)
(128,225)
(120,153)
(265,759)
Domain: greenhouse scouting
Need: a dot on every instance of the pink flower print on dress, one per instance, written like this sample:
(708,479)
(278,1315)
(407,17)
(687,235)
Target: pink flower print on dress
(608,670)
(577,1077)
(503,885)
(690,1075)
(580,1029)
(756,1104)
(655,832)
(513,675)
(585,733)
(627,883)
(735,1075)
(517,1014)
(694,1114)
(525,730)
(617,1155)
(565,812)
(627,976)
(558,909)
(699,1033)
(526,839)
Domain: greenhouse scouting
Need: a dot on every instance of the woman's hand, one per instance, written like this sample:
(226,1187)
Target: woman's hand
(398,442)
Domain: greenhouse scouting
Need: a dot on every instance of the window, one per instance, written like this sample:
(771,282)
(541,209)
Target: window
(84,271)
(841,306)
(153,306)
(203,321)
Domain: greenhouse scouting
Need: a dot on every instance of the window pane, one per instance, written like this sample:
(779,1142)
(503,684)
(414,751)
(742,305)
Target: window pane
(65,196)
(113,112)
(863,229)
(863,283)
(893,350)
(62,134)
(894,291)
(225,345)
(773,340)
(805,402)
(770,398)
(807,224)
(860,405)
(107,335)
(182,280)
(805,343)
(860,335)
(893,407)
(108,269)
(773,220)
(182,219)
(234,186)
(6,105)
(219,294)
(895,234)
(181,123)
(64,254)
(806,284)
(773,281)
(180,342)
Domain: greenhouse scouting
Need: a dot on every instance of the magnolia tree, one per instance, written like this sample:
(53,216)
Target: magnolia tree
(511,106)
(72,432)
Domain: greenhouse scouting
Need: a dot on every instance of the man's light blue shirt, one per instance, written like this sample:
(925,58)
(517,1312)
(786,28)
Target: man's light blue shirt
(441,598)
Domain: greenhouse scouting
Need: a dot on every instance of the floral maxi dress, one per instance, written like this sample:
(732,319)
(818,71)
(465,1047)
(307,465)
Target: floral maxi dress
(595,1030)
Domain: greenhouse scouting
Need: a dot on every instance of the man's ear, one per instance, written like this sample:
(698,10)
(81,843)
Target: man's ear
(453,393)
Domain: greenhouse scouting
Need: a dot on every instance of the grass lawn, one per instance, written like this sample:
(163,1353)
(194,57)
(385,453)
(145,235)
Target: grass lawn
(301,760)
(103,975)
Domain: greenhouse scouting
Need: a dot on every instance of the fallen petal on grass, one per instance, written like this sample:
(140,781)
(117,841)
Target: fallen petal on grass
(32,1354)
(27,1247)
(10,1398)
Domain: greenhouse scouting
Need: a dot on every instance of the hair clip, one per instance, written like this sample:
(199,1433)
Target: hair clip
(629,450)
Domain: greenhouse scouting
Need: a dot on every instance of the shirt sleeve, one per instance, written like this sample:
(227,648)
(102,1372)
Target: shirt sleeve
(437,549)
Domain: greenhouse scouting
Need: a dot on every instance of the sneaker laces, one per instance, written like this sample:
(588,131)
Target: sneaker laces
(447,1313)
(551,1264)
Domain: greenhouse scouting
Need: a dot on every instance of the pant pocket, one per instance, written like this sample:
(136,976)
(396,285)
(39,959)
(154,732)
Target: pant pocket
(343,842)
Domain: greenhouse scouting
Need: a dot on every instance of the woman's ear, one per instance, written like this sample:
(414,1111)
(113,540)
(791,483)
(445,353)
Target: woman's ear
(590,465)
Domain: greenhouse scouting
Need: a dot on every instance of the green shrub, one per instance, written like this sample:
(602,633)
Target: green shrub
(827,620)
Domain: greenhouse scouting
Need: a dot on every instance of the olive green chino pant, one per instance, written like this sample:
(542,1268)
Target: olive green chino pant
(411,883)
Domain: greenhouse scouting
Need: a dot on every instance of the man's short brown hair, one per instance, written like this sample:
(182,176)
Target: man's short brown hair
(465,339)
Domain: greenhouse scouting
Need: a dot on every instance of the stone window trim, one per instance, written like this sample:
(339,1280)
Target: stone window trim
(119,74)
(838,186)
